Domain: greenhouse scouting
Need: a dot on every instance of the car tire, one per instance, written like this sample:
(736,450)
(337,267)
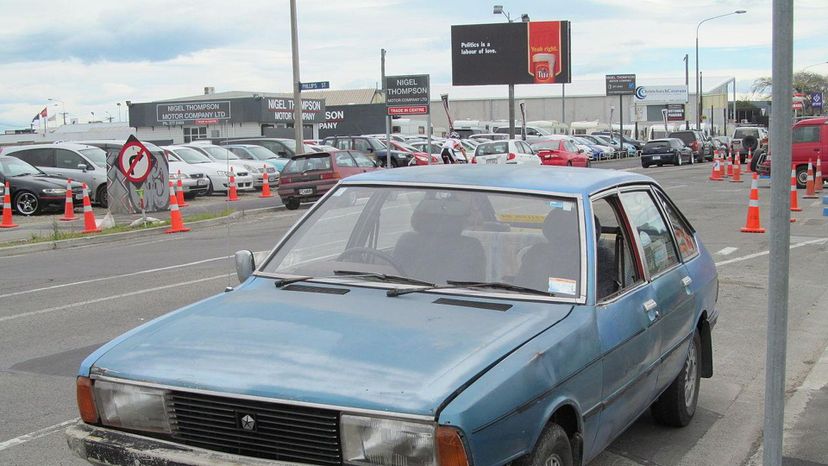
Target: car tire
(801,176)
(553,449)
(660,164)
(101,196)
(645,165)
(678,160)
(26,203)
(677,405)
(209,191)
(568,163)
(394,163)
(292,203)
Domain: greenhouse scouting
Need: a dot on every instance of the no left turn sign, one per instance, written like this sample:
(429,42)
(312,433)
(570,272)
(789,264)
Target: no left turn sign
(135,161)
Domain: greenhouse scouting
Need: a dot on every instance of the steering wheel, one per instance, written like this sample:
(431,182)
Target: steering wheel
(362,251)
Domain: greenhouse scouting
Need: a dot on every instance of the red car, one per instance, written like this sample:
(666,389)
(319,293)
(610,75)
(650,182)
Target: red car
(560,152)
(418,158)
(307,177)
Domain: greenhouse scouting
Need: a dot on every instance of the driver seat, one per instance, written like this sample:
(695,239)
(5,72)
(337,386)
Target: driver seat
(436,250)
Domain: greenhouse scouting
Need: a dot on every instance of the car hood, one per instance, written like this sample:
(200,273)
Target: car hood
(361,349)
(42,181)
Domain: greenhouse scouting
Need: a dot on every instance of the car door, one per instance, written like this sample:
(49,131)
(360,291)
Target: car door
(672,294)
(629,345)
(66,165)
(806,143)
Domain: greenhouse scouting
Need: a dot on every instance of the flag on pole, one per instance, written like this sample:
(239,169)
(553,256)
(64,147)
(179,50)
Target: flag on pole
(43,114)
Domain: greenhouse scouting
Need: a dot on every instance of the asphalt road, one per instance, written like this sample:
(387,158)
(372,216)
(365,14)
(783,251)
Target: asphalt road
(57,306)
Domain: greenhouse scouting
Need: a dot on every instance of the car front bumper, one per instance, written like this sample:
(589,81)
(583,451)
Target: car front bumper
(100,445)
(193,185)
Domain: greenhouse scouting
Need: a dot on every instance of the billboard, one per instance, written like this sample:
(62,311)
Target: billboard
(511,53)
(675,112)
(407,95)
(620,84)
(661,94)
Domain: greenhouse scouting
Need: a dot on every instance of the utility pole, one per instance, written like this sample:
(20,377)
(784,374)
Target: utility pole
(387,117)
(563,102)
(687,85)
(780,229)
(298,125)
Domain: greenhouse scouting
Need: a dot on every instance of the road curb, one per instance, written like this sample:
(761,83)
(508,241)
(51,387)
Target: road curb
(127,235)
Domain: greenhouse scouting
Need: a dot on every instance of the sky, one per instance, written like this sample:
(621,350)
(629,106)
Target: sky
(89,55)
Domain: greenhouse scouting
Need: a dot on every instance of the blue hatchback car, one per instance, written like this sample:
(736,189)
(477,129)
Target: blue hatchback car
(429,316)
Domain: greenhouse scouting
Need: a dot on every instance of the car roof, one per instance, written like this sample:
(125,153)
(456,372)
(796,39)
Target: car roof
(812,121)
(244,146)
(564,180)
(60,145)
(664,140)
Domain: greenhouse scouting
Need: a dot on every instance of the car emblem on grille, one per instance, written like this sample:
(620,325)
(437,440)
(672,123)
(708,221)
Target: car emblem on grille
(248,422)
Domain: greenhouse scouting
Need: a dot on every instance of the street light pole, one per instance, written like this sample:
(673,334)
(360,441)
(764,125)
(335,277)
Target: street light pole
(498,10)
(687,86)
(298,135)
(698,84)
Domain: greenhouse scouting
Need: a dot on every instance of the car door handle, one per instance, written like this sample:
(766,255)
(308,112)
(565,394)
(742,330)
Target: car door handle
(686,281)
(649,305)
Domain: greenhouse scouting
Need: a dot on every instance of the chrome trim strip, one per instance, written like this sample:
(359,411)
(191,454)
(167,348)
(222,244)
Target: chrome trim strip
(341,409)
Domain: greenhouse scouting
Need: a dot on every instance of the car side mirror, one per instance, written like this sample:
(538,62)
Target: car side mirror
(82,166)
(245,264)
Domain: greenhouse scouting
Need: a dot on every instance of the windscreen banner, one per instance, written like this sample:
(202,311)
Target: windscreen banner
(511,53)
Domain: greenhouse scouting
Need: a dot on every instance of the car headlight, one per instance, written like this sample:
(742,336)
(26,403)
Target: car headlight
(178,176)
(132,407)
(54,191)
(385,442)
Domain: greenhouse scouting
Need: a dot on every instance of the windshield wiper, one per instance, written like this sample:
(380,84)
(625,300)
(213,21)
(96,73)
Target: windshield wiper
(384,277)
(454,284)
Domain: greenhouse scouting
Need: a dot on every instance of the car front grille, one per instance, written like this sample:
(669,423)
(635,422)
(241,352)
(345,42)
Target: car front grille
(197,175)
(280,432)
(242,174)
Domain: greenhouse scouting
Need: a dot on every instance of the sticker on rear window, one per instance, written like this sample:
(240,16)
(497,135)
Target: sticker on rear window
(564,205)
(562,285)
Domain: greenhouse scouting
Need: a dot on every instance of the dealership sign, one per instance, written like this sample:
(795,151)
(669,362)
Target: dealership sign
(620,84)
(661,94)
(675,112)
(189,112)
(407,95)
(281,109)
(510,53)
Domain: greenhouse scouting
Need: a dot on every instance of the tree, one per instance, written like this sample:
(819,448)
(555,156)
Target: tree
(803,81)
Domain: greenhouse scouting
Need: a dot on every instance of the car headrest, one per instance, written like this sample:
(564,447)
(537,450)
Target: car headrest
(440,216)
(560,221)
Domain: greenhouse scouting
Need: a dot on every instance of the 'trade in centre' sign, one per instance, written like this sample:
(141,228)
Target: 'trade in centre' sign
(536,52)
(407,95)
(620,84)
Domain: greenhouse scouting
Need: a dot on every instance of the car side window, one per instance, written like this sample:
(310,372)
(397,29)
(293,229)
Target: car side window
(616,266)
(805,134)
(653,236)
(362,160)
(570,147)
(361,145)
(681,230)
(39,157)
(343,159)
(343,144)
(525,148)
(68,159)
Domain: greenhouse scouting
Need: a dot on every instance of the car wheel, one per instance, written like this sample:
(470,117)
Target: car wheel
(394,163)
(26,203)
(801,176)
(209,191)
(645,165)
(678,157)
(292,203)
(102,197)
(553,449)
(677,405)
(660,164)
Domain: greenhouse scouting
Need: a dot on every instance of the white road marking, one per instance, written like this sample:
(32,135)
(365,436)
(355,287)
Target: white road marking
(36,434)
(109,298)
(728,250)
(765,253)
(816,203)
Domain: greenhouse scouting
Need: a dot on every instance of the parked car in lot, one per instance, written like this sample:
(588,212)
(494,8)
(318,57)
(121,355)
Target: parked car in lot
(485,137)
(82,163)
(560,151)
(284,148)
(451,315)
(694,140)
(418,157)
(372,147)
(510,151)
(259,154)
(809,142)
(609,151)
(422,146)
(308,177)
(667,150)
(224,157)
(218,174)
(31,190)
(752,139)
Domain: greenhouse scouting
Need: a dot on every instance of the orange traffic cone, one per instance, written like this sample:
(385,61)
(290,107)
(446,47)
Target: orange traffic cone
(179,192)
(7,209)
(794,197)
(737,171)
(265,184)
(176,222)
(752,225)
(810,193)
(749,160)
(818,179)
(716,175)
(68,206)
(729,165)
(89,224)
(233,195)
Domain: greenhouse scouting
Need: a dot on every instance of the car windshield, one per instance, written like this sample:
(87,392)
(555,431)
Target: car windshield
(97,156)
(405,147)
(261,153)
(16,167)
(191,155)
(490,148)
(305,164)
(376,144)
(291,144)
(440,236)
(546,145)
(220,153)
(657,145)
(742,133)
